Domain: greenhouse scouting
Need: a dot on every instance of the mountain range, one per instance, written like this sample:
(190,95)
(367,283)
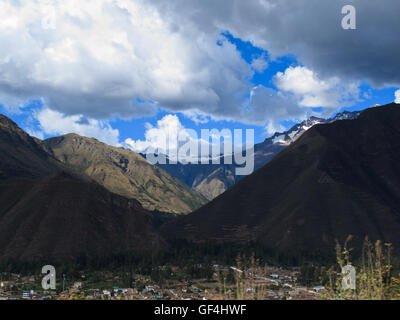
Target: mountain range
(213,180)
(70,196)
(336,179)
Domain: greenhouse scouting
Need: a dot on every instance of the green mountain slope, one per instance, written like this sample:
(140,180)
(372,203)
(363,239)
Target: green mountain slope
(126,173)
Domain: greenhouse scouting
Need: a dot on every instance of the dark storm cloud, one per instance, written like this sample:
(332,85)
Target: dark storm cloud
(311,29)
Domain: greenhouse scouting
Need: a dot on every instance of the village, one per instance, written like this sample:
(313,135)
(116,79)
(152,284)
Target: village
(226,283)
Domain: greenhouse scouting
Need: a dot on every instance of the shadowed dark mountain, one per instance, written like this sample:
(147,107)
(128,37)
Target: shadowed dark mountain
(20,155)
(337,179)
(60,218)
(50,213)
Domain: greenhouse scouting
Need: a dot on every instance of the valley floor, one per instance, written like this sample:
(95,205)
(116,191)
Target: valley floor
(225,283)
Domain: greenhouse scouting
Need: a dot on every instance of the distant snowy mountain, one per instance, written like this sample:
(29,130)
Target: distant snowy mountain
(296,131)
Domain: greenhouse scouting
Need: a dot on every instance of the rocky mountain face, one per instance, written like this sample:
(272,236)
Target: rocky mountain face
(213,180)
(125,172)
(336,179)
(209,180)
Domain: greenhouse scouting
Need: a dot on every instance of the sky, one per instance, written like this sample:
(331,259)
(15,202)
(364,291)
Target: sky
(125,71)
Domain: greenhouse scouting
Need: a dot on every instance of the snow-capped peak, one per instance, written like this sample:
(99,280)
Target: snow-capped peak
(288,137)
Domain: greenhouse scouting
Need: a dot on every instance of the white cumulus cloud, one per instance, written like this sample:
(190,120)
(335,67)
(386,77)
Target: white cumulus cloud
(98,57)
(168,126)
(312,91)
(397,97)
(55,123)
(168,137)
